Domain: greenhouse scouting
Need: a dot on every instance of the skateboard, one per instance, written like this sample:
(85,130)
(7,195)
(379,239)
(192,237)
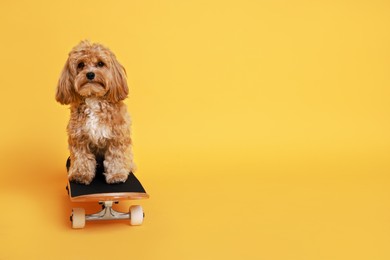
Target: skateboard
(106,195)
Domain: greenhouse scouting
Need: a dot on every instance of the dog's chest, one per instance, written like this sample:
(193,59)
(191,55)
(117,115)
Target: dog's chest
(96,125)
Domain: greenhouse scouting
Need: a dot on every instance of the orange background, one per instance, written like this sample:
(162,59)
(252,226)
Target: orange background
(261,128)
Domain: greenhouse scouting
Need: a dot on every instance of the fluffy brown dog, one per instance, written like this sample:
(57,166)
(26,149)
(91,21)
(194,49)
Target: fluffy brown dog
(94,84)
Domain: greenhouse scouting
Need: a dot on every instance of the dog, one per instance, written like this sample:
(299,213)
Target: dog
(93,83)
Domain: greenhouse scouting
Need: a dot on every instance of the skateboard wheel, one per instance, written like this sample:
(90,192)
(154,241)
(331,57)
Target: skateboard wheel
(78,218)
(136,215)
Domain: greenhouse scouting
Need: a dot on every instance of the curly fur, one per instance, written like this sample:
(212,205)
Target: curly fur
(99,124)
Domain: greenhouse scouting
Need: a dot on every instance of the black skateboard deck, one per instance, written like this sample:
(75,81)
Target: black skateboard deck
(100,190)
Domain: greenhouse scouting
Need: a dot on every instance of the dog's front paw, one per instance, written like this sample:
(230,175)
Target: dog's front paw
(83,178)
(116,177)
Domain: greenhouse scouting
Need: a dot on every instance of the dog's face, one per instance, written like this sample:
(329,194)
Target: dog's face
(91,71)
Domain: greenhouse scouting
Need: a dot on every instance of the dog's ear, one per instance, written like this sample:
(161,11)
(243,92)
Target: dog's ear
(65,92)
(118,86)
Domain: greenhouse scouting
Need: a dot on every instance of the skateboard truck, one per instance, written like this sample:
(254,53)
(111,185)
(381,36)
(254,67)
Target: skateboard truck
(135,214)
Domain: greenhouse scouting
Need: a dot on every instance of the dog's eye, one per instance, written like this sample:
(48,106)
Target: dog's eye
(80,65)
(100,64)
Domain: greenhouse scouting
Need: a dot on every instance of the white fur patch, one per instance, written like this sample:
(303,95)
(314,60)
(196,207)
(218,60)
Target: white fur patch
(93,126)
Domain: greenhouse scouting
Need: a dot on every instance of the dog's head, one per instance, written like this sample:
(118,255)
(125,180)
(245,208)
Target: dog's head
(91,71)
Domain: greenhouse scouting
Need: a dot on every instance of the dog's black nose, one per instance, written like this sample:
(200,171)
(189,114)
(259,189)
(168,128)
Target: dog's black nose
(90,75)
